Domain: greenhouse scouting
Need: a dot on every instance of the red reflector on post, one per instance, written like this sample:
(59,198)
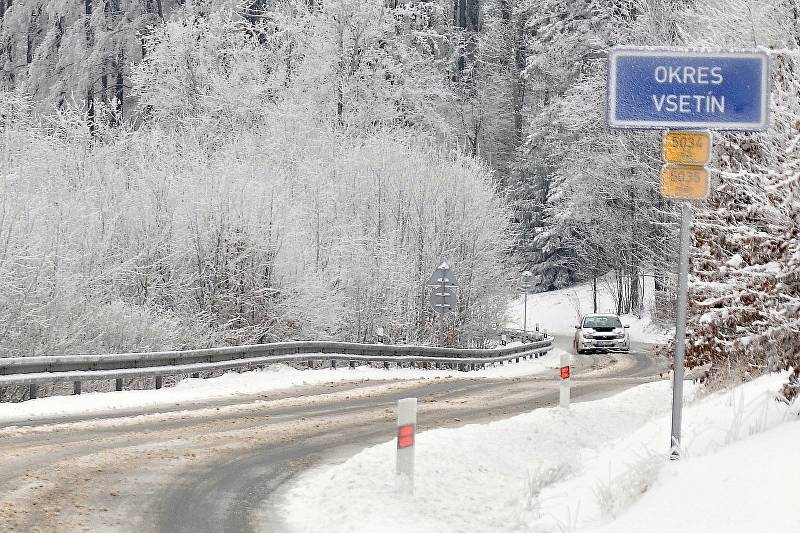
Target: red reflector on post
(564,372)
(405,436)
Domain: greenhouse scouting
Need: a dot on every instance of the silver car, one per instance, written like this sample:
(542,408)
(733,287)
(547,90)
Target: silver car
(601,333)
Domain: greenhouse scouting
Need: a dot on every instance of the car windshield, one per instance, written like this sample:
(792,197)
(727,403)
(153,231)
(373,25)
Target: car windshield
(602,322)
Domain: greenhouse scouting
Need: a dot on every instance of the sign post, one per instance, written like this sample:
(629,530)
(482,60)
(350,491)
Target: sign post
(526,286)
(680,331)
(663,88)
(443,293)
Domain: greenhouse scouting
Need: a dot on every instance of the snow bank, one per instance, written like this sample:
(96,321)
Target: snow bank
(559,311)
(272,378)
(743,488)
(567,470)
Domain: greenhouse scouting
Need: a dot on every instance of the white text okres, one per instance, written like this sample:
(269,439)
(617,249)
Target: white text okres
(688,103)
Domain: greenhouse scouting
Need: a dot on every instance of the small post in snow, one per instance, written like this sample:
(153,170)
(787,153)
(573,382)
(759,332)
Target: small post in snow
(564,387)
(406,439)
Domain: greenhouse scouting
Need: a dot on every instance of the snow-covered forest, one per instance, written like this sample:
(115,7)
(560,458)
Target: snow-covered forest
(192,173)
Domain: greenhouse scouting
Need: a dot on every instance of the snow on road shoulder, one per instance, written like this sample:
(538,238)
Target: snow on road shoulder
(548,470)
(559,311)
(741,488)
(230,385)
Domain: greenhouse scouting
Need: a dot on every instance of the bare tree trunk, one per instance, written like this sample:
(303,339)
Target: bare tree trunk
(633,264)
(119,89)
(516,28)
(91,119)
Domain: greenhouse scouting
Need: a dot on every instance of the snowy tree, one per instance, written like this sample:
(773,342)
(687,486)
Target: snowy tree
(592,192)
(77,51)
(743,292)
(368,65)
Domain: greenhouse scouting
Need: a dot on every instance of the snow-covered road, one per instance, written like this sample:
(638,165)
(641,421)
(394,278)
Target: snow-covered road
(212,468)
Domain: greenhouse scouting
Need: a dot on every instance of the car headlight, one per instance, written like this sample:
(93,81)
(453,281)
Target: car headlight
(587,334)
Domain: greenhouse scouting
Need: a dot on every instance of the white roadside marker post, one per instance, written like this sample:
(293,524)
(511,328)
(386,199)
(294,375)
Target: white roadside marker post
(406,438)
(564,387)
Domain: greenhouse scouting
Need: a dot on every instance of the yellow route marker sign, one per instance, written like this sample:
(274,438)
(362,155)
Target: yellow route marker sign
(688,147)
(685,182)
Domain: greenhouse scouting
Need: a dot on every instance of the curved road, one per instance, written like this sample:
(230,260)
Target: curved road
(215,467)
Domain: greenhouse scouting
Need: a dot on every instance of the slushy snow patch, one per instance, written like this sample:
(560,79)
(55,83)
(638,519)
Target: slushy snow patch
(600,464)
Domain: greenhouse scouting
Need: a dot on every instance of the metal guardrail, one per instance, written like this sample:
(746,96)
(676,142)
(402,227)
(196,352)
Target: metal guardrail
(37,370)
(524,336)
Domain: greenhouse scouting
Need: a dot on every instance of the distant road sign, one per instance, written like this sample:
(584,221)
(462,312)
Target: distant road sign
(443,275)
(669,88)
(687,147)
(685,182)
(444,287)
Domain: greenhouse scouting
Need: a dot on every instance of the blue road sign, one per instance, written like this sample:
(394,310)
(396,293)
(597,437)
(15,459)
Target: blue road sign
(683,89)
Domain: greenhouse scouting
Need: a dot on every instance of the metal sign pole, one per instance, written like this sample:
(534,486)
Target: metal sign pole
(525,315)
(443,289)
(680,331)
(526,285)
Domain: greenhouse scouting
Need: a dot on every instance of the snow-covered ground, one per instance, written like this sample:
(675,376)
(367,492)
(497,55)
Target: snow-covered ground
(599,466)
(275,377)
(559,311)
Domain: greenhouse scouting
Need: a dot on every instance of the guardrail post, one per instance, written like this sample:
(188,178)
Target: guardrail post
(33,391)
(333,363)
(159,382)
(118,384)
(76,387)
(406,439)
